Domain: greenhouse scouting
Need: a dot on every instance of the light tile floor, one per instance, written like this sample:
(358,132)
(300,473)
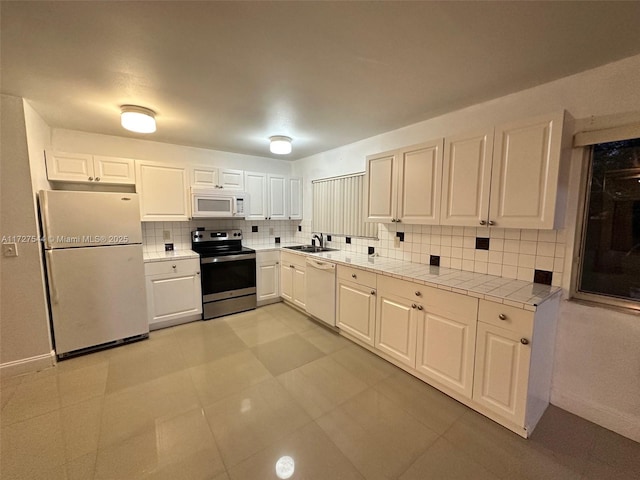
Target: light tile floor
(228,398)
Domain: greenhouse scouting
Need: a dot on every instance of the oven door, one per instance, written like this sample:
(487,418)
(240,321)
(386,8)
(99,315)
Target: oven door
(228,276)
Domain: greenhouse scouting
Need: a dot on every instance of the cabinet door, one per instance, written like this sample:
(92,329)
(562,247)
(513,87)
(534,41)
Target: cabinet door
(396,328)
(357,310)
(501,372)
(204,176)
(231,179)
(69,167)
(277,197)
(114,170)
(466,179)
(286,281)
(299,287)
(256,186)
(172,297)
(381,188)
(419,183)
(524,180)
(268,280)
(163,192)
(295,198)
(445,351)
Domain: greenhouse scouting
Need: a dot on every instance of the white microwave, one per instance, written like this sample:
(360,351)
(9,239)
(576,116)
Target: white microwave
(209,203)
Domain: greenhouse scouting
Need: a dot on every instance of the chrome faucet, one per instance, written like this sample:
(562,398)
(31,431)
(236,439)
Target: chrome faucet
(320,238)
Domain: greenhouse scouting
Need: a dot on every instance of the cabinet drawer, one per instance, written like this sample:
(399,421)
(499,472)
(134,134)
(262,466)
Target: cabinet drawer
(403,288)
(270,256)
(356,275)
(289,259)
(515,319)
(451,305)
(166,267)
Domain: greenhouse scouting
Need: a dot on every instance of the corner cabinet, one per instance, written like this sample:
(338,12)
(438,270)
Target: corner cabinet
(295,198)
(163,191)
(174,294)
(267,277)
(86,168)
(507,177)
(405,185)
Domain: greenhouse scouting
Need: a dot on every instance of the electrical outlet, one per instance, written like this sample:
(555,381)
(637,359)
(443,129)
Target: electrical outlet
(396,242)
(166,234)
(10,249)
(270,230)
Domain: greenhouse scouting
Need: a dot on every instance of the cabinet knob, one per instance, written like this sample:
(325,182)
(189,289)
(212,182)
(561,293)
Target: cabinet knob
(419,307)
(413,305)
(398,220)
(97,179)
(482,222)
(173,266)
(353,275)
(418,294)
(292,266)
(524,341)
(373,292)
(91,179)
(502,316)
(277,263)
(197,273)
(393,220)
(491,222)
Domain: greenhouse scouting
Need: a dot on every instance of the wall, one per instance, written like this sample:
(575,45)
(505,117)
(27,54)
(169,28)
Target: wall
(590,341)
(24,325)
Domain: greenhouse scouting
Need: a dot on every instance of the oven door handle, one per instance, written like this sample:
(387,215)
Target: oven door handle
(227,258)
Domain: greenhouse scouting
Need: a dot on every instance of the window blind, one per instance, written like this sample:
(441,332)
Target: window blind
(338,207)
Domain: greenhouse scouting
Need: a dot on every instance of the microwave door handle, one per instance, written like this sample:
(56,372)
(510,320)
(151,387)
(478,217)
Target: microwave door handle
(233,206)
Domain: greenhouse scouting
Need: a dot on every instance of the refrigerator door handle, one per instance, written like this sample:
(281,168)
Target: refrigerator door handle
(52,284)
(44,206)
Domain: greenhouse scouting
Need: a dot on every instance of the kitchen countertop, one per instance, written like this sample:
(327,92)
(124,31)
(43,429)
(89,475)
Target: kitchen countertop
(164,256)
(516,293)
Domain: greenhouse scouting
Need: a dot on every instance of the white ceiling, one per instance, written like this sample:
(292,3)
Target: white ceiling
(227,75)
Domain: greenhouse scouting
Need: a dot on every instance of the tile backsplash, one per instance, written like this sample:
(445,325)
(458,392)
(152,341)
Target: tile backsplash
(509,253)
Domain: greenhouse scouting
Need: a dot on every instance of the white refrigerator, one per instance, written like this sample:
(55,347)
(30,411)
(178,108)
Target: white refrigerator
(95,269)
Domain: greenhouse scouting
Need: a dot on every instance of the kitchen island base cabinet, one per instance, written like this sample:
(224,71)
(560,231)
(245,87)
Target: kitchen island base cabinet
(174,293)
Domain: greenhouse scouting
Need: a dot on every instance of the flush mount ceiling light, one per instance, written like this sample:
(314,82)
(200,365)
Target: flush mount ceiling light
(138,119)
(280,145)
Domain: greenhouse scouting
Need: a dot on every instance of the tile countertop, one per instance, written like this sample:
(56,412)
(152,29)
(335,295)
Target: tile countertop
(516,293)
(164,256)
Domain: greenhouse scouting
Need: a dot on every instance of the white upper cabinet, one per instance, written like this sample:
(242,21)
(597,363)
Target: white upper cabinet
(295,198)
(268,196)
(86,168)
(405,185)
(225,178)
(163,192)
(507,179)
(466,178)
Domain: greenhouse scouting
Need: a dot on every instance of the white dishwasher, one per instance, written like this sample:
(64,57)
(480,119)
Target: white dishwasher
(321,290)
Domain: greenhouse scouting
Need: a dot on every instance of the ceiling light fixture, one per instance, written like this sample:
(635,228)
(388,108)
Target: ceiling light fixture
(138,119)
(280,144)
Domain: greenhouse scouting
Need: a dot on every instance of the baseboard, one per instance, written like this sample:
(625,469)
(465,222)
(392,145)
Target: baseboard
(619,422)
(28,365)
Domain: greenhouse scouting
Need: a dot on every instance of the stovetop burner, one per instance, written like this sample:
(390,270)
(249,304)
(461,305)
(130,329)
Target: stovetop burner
(217,243)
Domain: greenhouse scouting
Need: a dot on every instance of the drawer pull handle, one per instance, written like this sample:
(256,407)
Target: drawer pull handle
(413,306)
(418,294)
(502,316)
(524,341)
(419,307)
(353,275)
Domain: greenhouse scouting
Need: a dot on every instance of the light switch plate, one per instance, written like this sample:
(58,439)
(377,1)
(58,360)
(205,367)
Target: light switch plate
(9,249)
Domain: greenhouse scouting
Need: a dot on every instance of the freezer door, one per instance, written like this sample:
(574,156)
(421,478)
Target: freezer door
(79,219)
(97,295)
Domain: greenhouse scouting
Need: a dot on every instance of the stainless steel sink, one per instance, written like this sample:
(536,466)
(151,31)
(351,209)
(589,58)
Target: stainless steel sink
(311,249)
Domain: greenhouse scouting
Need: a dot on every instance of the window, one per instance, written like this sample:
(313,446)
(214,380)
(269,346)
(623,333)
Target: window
(610,254)
(338,207)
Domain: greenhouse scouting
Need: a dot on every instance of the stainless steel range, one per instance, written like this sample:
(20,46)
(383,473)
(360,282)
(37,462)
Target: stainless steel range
(228,272)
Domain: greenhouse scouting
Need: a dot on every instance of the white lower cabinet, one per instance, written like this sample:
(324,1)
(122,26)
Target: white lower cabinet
(268,277)
(292,279)
(356,303)
(174,293)
(396,320)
